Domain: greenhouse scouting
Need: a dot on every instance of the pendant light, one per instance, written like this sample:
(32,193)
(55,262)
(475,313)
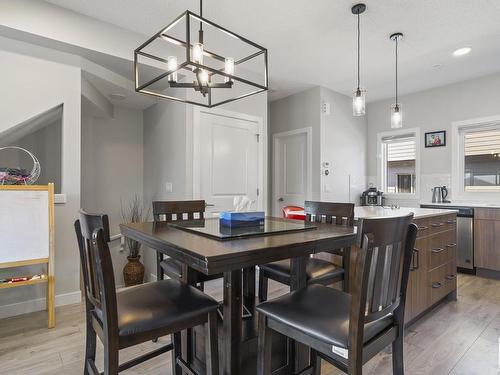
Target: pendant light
(359,96)
(396,112)
(177,65)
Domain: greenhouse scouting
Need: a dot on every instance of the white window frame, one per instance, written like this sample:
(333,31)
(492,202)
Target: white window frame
(457,157)
(381,167)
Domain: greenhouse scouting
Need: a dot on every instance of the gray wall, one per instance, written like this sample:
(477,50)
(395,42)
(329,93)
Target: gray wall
(112,165)
(343,144)
(432,110)
(295,112)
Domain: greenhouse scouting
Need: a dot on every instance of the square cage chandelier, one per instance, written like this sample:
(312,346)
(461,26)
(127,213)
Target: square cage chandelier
(195,61)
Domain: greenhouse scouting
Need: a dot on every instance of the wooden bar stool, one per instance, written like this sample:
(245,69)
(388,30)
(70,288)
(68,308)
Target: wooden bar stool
(176,211)
(319,271)
(349,329)
(137,314)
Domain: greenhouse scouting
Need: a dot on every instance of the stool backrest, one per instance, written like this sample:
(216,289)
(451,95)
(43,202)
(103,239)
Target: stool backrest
(330,212)
(385,248)
(178,210)
(92,232)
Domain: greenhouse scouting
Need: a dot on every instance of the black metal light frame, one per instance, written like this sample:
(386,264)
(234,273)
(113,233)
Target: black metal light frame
(189,64)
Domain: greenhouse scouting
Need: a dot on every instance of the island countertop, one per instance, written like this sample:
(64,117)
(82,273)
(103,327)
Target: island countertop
(371,212)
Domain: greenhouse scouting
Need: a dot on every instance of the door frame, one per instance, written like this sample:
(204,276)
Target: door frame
(276,139)
(193,157)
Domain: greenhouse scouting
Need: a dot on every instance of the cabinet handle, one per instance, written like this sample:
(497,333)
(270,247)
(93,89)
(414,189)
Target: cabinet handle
(450,277)
(438,250)
(423,227)
(437,285)
(451,245)
(435,225)
(451,221)
(415,260)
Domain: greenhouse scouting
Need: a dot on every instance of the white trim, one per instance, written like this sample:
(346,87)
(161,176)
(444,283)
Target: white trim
(458,190)
(38,304)
(381,168)
(308,132)
(193,161)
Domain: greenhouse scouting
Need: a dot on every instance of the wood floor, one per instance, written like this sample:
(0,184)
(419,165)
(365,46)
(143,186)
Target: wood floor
(455,338)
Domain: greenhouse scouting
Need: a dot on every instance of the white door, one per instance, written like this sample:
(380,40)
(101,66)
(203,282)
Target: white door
(292,181)
(229,161)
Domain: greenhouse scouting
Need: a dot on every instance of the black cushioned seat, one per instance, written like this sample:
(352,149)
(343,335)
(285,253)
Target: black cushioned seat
(316,270)
(151,306)
(330,309)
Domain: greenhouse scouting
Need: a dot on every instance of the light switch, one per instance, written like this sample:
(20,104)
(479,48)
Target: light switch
(169,187)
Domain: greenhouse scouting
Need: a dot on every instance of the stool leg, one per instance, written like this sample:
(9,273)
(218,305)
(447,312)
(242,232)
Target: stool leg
(176,352)
(159,270)
(263,284)
(110,357)
(212,345)
(315,362)
(264,347)
(397,354)
(90,346)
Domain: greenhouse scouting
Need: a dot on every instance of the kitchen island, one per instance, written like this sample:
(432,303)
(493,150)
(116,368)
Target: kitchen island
(433,271)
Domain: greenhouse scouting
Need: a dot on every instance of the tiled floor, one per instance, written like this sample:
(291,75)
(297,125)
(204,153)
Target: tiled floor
(455,338)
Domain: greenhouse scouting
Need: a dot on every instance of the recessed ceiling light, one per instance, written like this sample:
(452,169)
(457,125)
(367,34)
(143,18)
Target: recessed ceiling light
(462,51)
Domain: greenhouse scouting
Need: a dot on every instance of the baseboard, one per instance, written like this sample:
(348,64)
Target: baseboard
(152,277)
(33,305)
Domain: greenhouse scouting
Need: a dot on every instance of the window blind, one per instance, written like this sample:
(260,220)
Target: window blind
(482,142)
(400,149)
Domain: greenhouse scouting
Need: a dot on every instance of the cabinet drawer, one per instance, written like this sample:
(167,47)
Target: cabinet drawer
(437,283)
(450,278)
(437,224)
(487,213)
(442,249)
(423,227)
(451,222)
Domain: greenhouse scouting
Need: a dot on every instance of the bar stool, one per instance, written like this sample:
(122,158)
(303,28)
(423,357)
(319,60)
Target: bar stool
(319,271)
(137,314)
(345,329)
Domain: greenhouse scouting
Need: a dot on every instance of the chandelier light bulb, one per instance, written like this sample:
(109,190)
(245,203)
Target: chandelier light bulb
(203,76)
(359,103)
(198,53)
(228,68)
(172,65)
(396,116)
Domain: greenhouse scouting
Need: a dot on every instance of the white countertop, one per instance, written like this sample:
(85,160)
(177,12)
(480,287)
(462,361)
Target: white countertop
(466,204)
(371,212)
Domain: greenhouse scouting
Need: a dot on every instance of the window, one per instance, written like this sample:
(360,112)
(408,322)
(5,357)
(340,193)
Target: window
(481,158)
(399,163)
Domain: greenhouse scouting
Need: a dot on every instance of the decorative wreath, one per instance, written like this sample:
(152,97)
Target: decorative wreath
(14,176)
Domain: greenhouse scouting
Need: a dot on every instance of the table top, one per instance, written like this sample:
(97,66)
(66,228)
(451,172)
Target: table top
(213,228)
(212,256)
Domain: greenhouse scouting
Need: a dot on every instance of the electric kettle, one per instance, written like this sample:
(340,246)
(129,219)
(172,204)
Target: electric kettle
(439,194)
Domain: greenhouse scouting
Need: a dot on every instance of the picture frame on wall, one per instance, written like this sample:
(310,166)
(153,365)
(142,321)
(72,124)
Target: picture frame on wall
(435,139)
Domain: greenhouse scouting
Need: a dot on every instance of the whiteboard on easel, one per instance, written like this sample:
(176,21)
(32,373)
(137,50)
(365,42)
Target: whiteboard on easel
(24,225)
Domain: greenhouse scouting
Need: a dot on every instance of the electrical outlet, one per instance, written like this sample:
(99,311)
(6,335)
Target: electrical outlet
(169,187)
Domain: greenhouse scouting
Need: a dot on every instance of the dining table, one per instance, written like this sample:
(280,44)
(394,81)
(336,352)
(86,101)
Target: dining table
(205,246)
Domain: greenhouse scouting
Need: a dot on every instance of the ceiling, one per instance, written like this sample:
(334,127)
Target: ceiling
(313,43)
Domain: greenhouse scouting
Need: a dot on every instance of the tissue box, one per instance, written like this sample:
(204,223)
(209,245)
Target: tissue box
(242,219)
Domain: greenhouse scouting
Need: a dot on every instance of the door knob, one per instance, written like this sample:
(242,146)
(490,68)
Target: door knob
(280,199)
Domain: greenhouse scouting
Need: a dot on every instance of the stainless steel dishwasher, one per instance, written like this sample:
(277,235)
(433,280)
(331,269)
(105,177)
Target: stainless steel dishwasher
(465,236)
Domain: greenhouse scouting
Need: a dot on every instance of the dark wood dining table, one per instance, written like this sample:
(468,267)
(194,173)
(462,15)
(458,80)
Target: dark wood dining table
(236,259)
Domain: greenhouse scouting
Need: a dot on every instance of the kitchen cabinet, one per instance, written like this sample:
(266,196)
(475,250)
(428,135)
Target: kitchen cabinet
(433,267)
(487,238)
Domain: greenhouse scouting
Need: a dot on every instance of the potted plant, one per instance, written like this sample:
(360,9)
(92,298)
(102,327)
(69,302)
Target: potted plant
(133,272)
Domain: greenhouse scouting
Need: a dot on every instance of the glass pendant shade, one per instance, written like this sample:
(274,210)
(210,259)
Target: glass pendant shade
(359,103)
(396,116)
(172,65)
(203,77)
(228,68)
(198,53)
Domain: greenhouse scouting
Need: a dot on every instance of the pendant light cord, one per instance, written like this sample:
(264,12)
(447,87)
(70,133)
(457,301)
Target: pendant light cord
(200,32)
(396,71)
(358,50)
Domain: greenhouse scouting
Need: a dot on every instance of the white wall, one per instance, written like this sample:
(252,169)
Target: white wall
(33,86)
(433,110)
(168,150)
(112,165)
(343,145)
